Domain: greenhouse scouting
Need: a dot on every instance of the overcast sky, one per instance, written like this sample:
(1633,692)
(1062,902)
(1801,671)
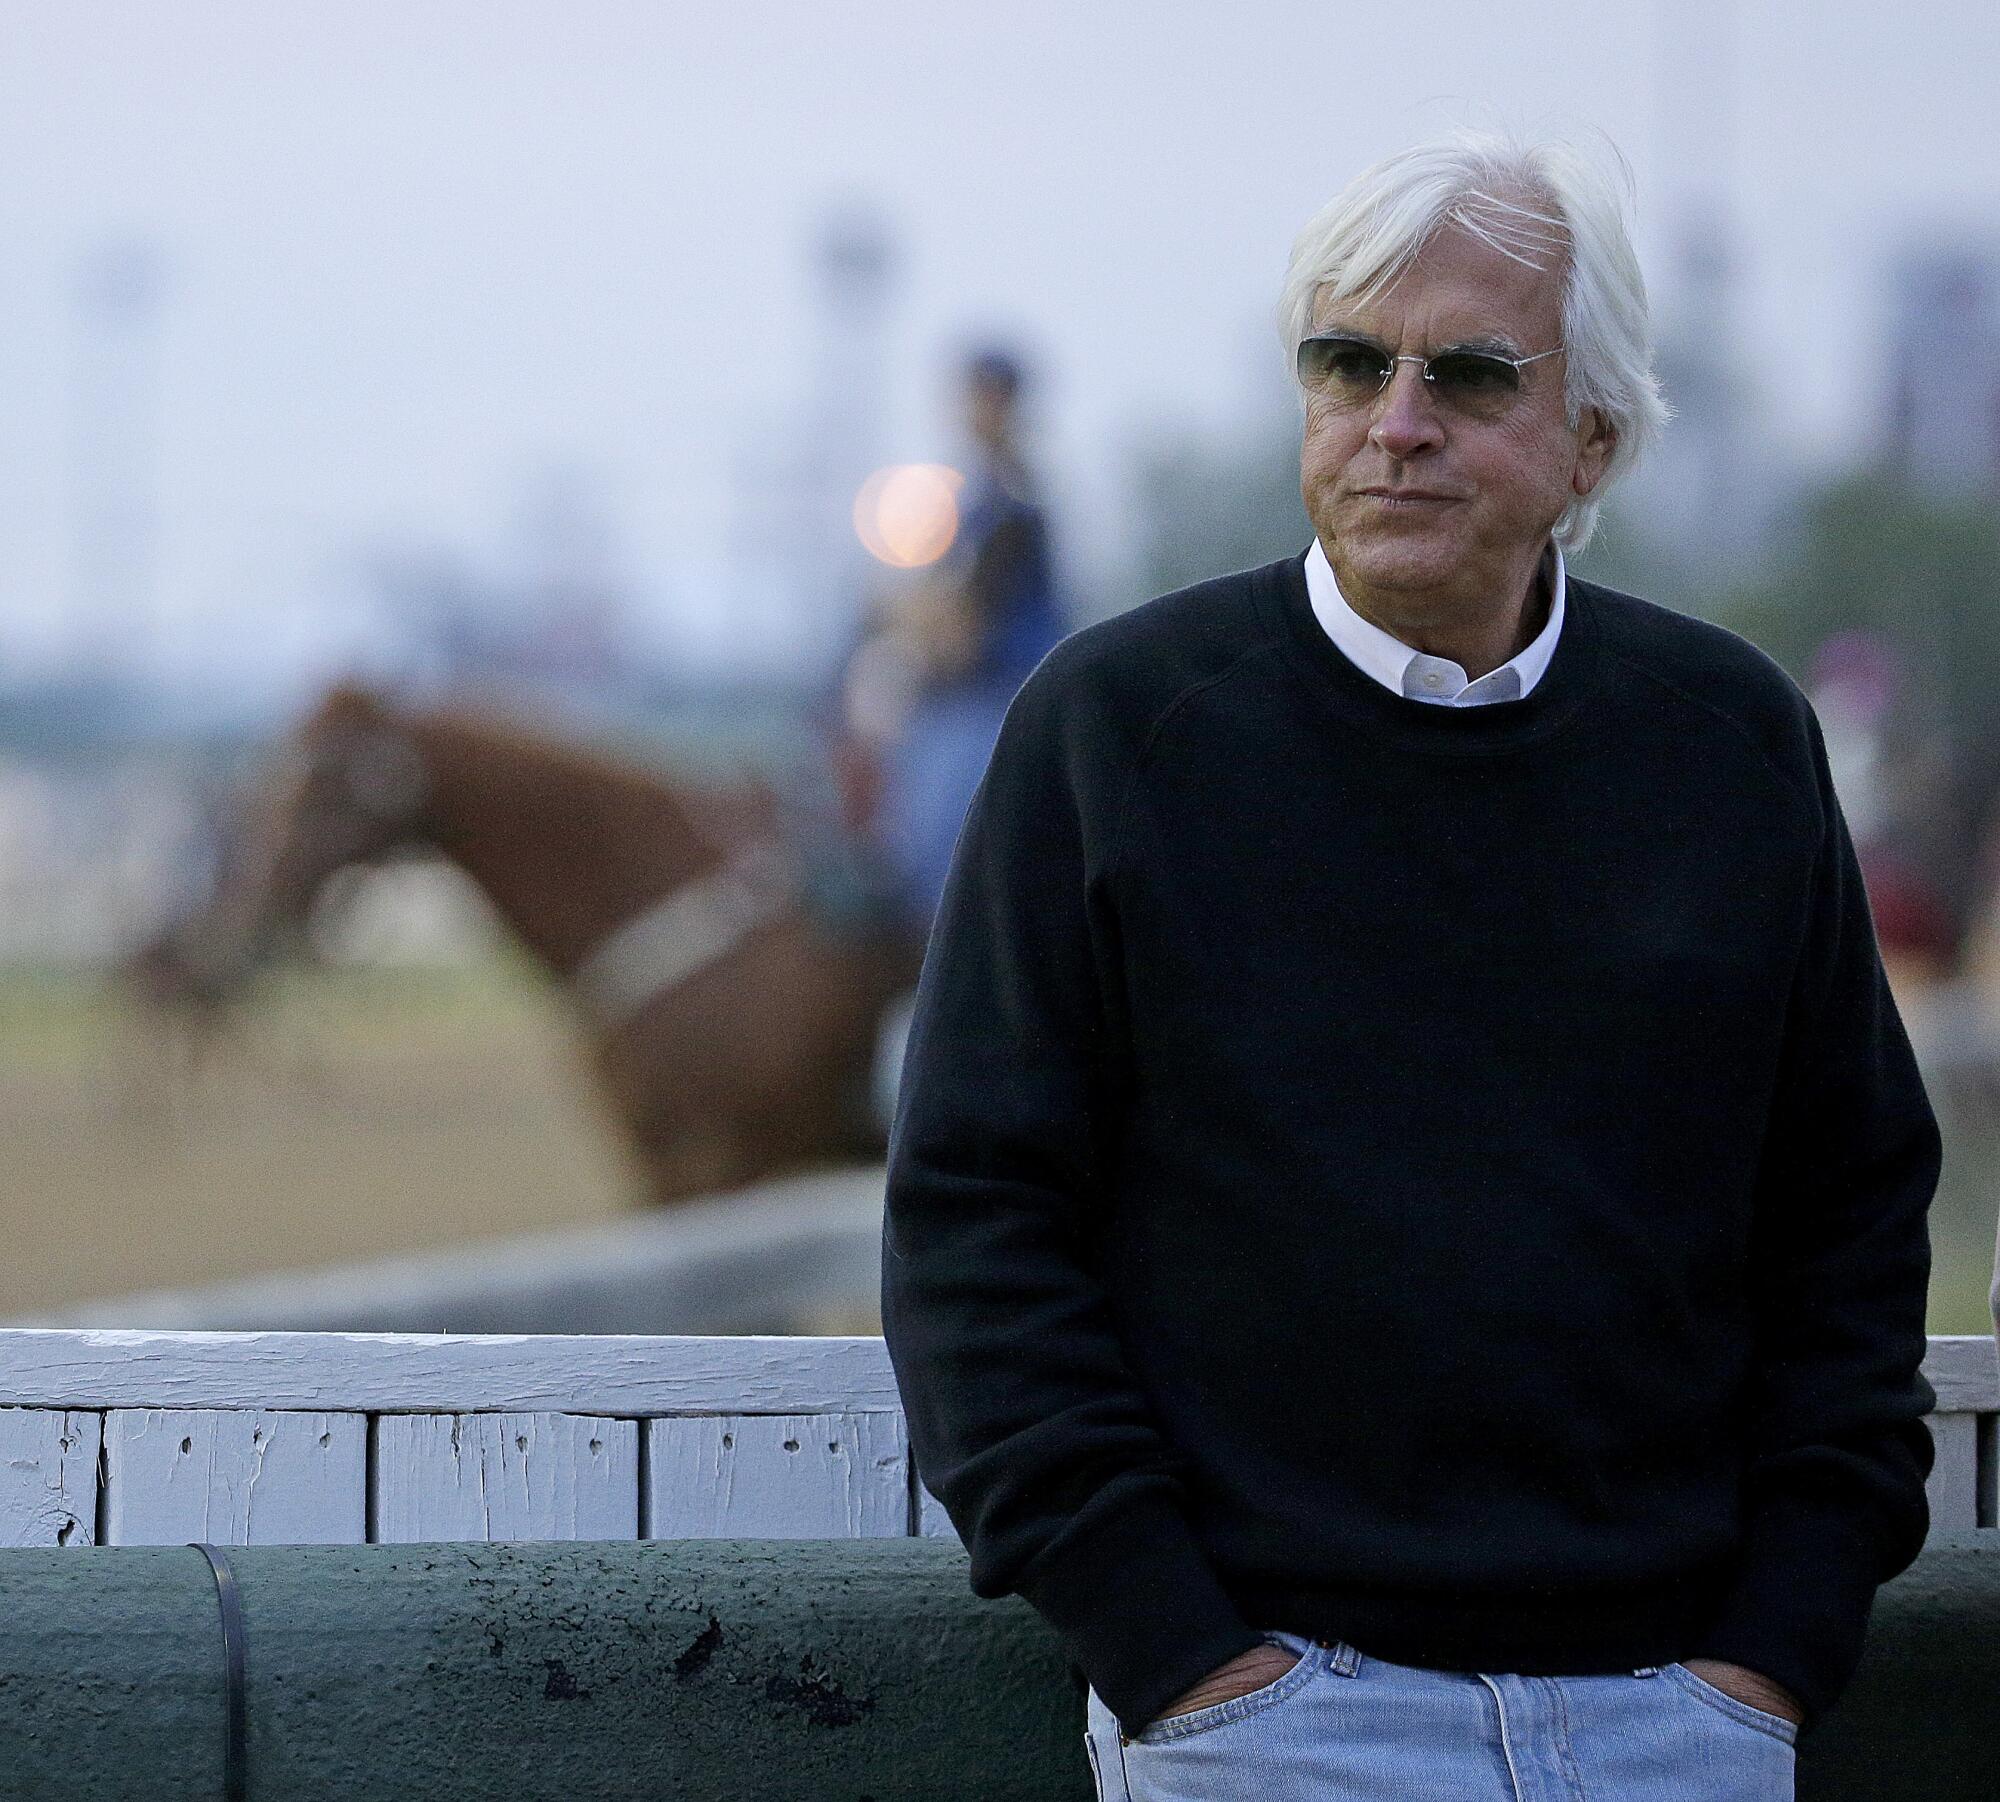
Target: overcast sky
(419,252)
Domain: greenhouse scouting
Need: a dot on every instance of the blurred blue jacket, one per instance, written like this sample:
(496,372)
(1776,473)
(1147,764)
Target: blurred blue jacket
(1003,553)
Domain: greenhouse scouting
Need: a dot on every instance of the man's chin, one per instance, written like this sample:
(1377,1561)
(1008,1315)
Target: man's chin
(1393,561)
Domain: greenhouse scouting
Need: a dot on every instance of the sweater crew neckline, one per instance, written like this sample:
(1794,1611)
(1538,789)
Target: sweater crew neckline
(1573,673)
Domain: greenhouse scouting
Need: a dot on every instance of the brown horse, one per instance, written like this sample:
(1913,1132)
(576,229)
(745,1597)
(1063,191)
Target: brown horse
(731,1033)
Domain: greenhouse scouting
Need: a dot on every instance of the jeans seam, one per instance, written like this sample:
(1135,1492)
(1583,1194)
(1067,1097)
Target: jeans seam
(1506,1739)
(1565,1751)
(1096,1771)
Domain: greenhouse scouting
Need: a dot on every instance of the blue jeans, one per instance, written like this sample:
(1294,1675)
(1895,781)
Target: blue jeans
(1341,1727)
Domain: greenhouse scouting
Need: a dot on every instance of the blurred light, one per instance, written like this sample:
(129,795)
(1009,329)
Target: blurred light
(907,515)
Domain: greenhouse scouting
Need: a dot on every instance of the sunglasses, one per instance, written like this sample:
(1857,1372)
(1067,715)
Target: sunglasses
(1351,372)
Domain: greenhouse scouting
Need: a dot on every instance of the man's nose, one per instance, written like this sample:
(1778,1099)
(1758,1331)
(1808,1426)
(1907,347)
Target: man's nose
(1406,415)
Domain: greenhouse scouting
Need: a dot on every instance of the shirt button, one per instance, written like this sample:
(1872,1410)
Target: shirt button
(1434,679)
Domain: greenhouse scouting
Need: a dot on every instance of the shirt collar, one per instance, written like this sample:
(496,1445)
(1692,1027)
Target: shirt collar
(1389,660)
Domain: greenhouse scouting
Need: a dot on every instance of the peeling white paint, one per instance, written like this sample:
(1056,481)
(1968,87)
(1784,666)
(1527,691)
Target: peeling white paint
(48,1495)
(835,1475)
(242,1470)
(505,1476)
(234,1477)
(438,1373)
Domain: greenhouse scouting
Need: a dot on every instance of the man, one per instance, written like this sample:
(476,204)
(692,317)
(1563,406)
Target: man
(1406,1222)
(1004,535)
(924,692)
(965,641)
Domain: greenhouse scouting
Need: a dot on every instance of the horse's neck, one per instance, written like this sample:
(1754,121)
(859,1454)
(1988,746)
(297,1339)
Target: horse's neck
(564,849)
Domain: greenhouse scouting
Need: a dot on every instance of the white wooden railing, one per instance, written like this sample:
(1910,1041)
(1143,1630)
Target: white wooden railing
(134,1438)
(1962,1486)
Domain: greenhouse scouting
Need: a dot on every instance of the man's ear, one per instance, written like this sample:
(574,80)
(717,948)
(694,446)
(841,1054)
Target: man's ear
(1597,439)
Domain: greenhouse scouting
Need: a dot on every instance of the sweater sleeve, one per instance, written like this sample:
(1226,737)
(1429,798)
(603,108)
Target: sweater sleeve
(1834,1493)
(1025,1419)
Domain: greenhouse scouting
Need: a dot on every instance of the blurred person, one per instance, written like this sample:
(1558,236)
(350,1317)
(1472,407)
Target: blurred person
(1406,1220)
(923,691)
(1002,520)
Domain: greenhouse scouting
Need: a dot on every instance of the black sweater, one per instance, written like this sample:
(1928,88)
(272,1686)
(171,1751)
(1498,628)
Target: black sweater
(1451,1180)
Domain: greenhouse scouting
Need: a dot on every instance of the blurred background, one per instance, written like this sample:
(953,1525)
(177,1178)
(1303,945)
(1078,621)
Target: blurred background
(442,446)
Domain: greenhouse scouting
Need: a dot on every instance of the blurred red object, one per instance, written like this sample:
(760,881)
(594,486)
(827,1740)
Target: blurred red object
(1911,919)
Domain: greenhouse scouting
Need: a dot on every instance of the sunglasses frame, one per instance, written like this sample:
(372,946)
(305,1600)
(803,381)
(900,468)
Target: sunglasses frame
(1424,364)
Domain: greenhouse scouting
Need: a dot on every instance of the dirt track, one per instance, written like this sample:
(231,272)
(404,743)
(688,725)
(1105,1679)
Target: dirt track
(351,1115)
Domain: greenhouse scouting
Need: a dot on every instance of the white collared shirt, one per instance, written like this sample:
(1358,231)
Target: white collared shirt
(1416,675)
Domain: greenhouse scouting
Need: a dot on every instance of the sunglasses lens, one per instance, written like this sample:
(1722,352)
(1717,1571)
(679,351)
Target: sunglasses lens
(1345,370)
(1473,383)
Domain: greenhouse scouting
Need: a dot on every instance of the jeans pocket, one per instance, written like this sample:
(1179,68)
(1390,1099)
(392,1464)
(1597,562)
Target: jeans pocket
(1723,1703)
(1096,1774)
(1238,1708)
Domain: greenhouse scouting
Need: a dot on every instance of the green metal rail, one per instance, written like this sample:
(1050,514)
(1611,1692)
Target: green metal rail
(710,1671)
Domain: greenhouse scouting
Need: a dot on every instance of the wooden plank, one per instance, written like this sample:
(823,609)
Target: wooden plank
(1953,1487)
(932,1521)
(1962,1369)
(505,1476)
(236,1477)
(48,1476)
(835,1475)
(623,1376)
(444,1373)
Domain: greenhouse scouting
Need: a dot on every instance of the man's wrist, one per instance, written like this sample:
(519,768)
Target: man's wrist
(1240,1676)
(1752,1688)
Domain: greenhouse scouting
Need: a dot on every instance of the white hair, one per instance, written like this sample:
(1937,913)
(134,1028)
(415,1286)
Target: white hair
(1534,202)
